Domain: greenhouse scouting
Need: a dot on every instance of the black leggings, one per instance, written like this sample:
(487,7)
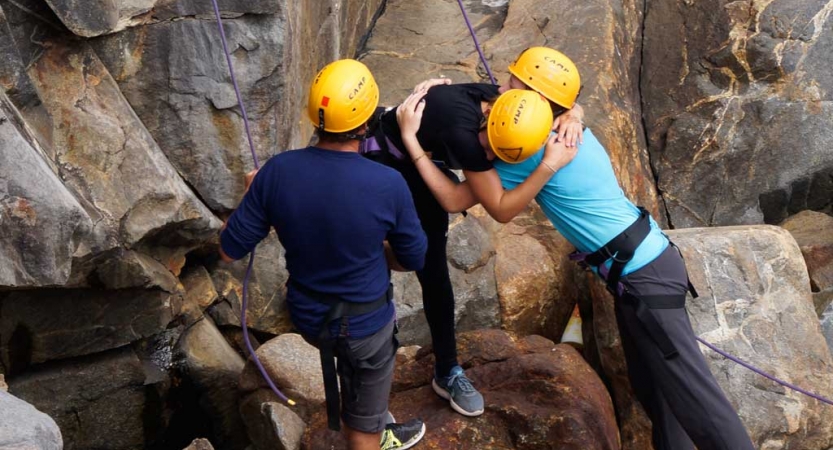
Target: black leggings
(437,293)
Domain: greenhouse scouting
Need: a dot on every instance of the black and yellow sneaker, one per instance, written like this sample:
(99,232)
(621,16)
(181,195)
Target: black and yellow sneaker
(400,436)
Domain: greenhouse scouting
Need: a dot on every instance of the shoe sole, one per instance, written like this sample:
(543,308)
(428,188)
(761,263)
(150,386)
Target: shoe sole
(444,394)
(414,440)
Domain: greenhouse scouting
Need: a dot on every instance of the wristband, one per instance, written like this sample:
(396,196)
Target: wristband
(548,166)
(418,157)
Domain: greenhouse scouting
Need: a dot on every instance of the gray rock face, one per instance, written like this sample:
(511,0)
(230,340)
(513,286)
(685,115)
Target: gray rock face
(294,367)
(722,110)
(200,444)
(87,396)
(214,367)
(604,44)
(39,326)
(105,153)
(33,251)
(472,268)
(267,289)
(813,231)
(827,326)
(175,76)
(271,425)
(24,427)
(755,304)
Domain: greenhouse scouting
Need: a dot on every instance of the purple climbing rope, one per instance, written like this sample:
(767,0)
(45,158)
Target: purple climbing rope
(244,304)
(764,374)
(476,43)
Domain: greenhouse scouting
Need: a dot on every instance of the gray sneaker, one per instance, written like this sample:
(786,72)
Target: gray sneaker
(457,389)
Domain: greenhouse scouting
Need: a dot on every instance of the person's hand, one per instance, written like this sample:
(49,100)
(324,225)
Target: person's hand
(570,128)
(428,84)
(250,177)
(409,113)
(557,154)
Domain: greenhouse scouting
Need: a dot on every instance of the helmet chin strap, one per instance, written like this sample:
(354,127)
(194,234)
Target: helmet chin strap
(359,137)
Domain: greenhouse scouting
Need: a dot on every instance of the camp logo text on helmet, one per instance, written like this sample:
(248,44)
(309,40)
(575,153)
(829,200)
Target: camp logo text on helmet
(342,96)
(550,73)
(518,125)
(519,111)
(357,89)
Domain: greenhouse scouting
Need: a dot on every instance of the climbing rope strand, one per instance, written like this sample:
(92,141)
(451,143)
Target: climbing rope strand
(476,43)
(234,83)
(244,303)
(764,374)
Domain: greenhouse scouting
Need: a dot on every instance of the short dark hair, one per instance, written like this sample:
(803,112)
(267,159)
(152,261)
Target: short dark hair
(345,136)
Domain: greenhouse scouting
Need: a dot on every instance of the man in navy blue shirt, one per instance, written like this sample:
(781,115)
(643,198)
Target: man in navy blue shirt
(343,221)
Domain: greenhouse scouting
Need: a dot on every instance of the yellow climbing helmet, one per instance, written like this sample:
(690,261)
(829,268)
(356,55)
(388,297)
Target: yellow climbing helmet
(518,125)
(342,97)
(550,73)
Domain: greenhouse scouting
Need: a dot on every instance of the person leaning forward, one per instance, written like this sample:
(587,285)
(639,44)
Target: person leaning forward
(582,198)
(344,221)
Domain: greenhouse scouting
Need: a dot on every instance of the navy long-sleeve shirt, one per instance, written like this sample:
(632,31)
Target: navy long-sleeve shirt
(332,210)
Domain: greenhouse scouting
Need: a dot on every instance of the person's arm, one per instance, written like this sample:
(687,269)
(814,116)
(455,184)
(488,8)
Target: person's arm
(406,241)
(479,187)
(504,205)
(246,226)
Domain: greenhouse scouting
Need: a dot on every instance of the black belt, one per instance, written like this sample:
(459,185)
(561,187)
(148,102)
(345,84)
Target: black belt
(621,250)
(339,309)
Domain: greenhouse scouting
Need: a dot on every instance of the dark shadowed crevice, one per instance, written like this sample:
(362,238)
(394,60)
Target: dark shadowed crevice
(363,41)
(651,162)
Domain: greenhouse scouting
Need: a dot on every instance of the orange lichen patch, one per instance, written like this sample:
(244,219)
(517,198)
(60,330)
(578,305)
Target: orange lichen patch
(21,208)
(175,264)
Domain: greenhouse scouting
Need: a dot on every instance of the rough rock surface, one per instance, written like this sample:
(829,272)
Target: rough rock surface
(723,110)
(536,280)
(24,427)
(271,425)
(294,367)
(814,233)
(105,153)
(604,44)
(267,310)
(214,368)
(39,326)
(199,293)
(200,444)
(827,326)
(175,76)
(472,268)
(755,304)
(34,252)
(88,395)
(536,395)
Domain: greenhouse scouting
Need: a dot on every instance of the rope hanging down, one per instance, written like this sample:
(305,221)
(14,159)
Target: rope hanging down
(244,302)
(710,346)
(476,43)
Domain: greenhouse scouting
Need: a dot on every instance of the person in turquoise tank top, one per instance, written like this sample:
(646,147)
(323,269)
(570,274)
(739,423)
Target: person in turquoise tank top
(643,270)
(584,202)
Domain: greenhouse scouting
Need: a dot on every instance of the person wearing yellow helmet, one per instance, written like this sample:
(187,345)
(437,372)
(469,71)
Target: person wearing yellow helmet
(451,130)
(328,200)
(642,269)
